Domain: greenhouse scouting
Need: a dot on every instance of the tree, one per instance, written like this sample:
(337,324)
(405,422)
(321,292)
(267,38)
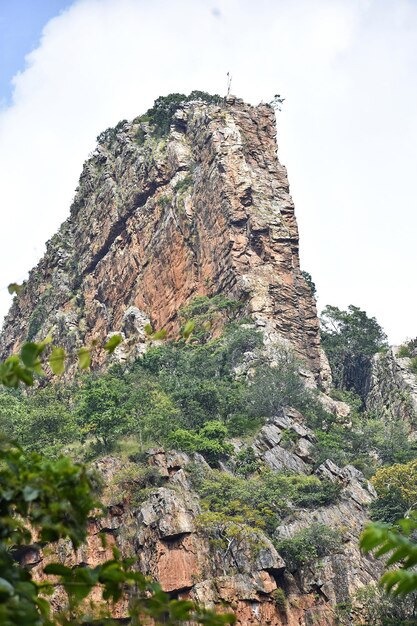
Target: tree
(396,487)
(101,409)
(44,501)
(307,277)
(350,338)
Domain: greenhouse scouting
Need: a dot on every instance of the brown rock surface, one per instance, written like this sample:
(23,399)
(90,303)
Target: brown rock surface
(166,543)
(205,210)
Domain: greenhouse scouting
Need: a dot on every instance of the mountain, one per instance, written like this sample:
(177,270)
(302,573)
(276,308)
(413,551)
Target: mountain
(243,488)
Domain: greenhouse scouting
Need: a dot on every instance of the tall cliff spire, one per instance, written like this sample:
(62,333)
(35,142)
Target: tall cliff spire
(196,206)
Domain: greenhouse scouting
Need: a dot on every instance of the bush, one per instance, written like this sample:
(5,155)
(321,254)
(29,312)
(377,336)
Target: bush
(110,134)
(204,311)
(396,487)
(101,409)
(307,277)
(135,484)
(350,338)
(309,544)
(209,441)
(246,462)
(160,116)
(369,442)
(280,599)
(404,351)
(274,387)
(270,496)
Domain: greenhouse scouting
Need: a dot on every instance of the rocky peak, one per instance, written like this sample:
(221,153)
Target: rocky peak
(160,218)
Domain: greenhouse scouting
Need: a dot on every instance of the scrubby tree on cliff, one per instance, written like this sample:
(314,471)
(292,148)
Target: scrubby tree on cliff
(350,338)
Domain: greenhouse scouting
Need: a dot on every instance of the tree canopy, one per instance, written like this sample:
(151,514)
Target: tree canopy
(350,338)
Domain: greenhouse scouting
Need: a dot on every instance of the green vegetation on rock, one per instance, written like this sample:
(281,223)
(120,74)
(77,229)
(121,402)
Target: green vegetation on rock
(309,544)
(350,338)
(266,498)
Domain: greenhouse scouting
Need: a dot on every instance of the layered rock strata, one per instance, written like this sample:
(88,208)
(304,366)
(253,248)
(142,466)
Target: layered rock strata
(157,221)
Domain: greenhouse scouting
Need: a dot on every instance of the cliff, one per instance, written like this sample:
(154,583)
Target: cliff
(162,215)
(202,210)
(393,388)
(241,572)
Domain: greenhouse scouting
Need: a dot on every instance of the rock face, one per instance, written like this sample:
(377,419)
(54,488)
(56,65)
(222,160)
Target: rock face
(163,536)
(155,222)
(271,444)
(204,210)
(393,388)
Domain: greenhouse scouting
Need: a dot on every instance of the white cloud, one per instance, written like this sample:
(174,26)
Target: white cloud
(348,131)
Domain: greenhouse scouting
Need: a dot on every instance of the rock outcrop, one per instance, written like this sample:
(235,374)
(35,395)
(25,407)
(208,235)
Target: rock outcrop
(155,221)
(393,388)
(166,541)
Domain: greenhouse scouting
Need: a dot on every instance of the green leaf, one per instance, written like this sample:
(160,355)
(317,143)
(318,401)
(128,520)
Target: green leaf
(29,354)
(112,343)
(43,606)
(45,342)
(84,358)
(160,334)
(14,288)
(29,493)
(57,569)
(148,329)
(26,376)
(188,329)
(57,360)
(6,588)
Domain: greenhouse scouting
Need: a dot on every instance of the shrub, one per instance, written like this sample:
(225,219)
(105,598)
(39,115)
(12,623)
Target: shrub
(110,134)
(184,184)
(350,338)
(203,311)
(309,544)
(101,409)
(280,599)
(396,487)
(160,116)
(381,609)
(269,495)
(209,441)
(135,483)
(307,277)
(246,462)
(289,439)
(229,536)
(404,351)
(163,201)
(140,137)
(274,387)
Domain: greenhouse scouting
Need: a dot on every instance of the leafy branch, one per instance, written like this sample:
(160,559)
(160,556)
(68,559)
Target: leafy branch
(397,542)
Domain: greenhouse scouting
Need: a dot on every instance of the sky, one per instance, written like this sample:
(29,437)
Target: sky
(347,131)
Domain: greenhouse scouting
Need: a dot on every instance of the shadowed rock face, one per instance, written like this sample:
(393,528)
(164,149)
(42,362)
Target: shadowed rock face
(155,222)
